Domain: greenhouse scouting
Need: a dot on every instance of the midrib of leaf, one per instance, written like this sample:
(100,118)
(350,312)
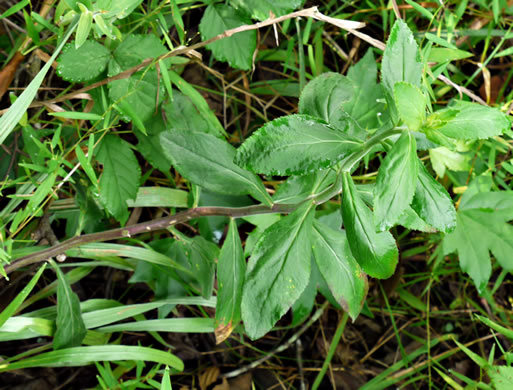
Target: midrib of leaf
(335,254)
(294,238)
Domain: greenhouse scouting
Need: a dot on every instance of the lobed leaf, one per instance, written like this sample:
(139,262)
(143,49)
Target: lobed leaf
(295,145)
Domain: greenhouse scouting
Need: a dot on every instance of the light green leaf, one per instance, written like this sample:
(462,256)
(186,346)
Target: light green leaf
(237,49)
(70,326)
(84,26)
(442,158)
(179,325)
(231,268)
(323,96)
(208,162)
(442,54)
(432,202)
(401,60)
(341,271)
(159,197)
(396,181)
(366,106)
(121,174)
(118,9)
(295,145)
(411,105)
(84,63)
(474,121)
(10,119)
(278,271)
(501,377)
(81,356)
(16,302)
(481,226)
(261,9)
(375,252)
(139,91)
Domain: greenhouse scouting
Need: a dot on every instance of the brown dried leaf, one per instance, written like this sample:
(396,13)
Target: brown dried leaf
(222,332)
(208,377)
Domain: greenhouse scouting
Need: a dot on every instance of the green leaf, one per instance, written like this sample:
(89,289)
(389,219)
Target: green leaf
(70,326)
(501,377)
(208,162)
(432,202)
(84,26)
(323,96)
(121,174)
(202,255)
(231,268)
(159,197)
(375,252)
(181,325)
(139,91)
(411,105)
(118,9)
(295,145)
(344,276)
(474,121)
(238,49)
(481,226)
(366,106)
(278,271)
(16,302)
(10,119)
(80,356)
(442,158)
(396,181)
(297,188)
(401,60)
(442,54)
(261,9)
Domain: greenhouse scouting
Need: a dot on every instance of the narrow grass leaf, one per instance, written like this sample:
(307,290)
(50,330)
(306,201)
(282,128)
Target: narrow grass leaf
(179,325)
(80,356)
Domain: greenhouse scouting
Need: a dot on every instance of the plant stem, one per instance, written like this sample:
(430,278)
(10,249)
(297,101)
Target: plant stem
(331,351)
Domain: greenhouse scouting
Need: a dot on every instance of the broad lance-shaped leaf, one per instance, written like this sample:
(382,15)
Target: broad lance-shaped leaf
(278,271)
(231,268)
(401,60)
(375,252)
(70,325)
(396,181)
(207,161)
(344,276)
(481,226)
(432,202)
(411,104)
(323,96)
(366,104)
(472,121)
(120,178)
(237,49)
(295,145)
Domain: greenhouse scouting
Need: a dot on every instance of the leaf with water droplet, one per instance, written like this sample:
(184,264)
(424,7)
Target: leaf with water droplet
(82,64)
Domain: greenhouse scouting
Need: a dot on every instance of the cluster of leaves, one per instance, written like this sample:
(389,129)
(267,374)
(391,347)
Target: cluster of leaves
(331,247)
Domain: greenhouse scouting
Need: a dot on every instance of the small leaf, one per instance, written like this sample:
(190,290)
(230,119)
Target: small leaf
(474,121)
(375,252)
(342,273)
(278,271)
(432,202)
(295,145)
(501,377)
(323,96)
(84,26)
(71,329)
(208,162)
(121,174)
(396,181)
(262,9)
(401,60)
(202,255)
(411,105)
(237,49)
(231,268)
